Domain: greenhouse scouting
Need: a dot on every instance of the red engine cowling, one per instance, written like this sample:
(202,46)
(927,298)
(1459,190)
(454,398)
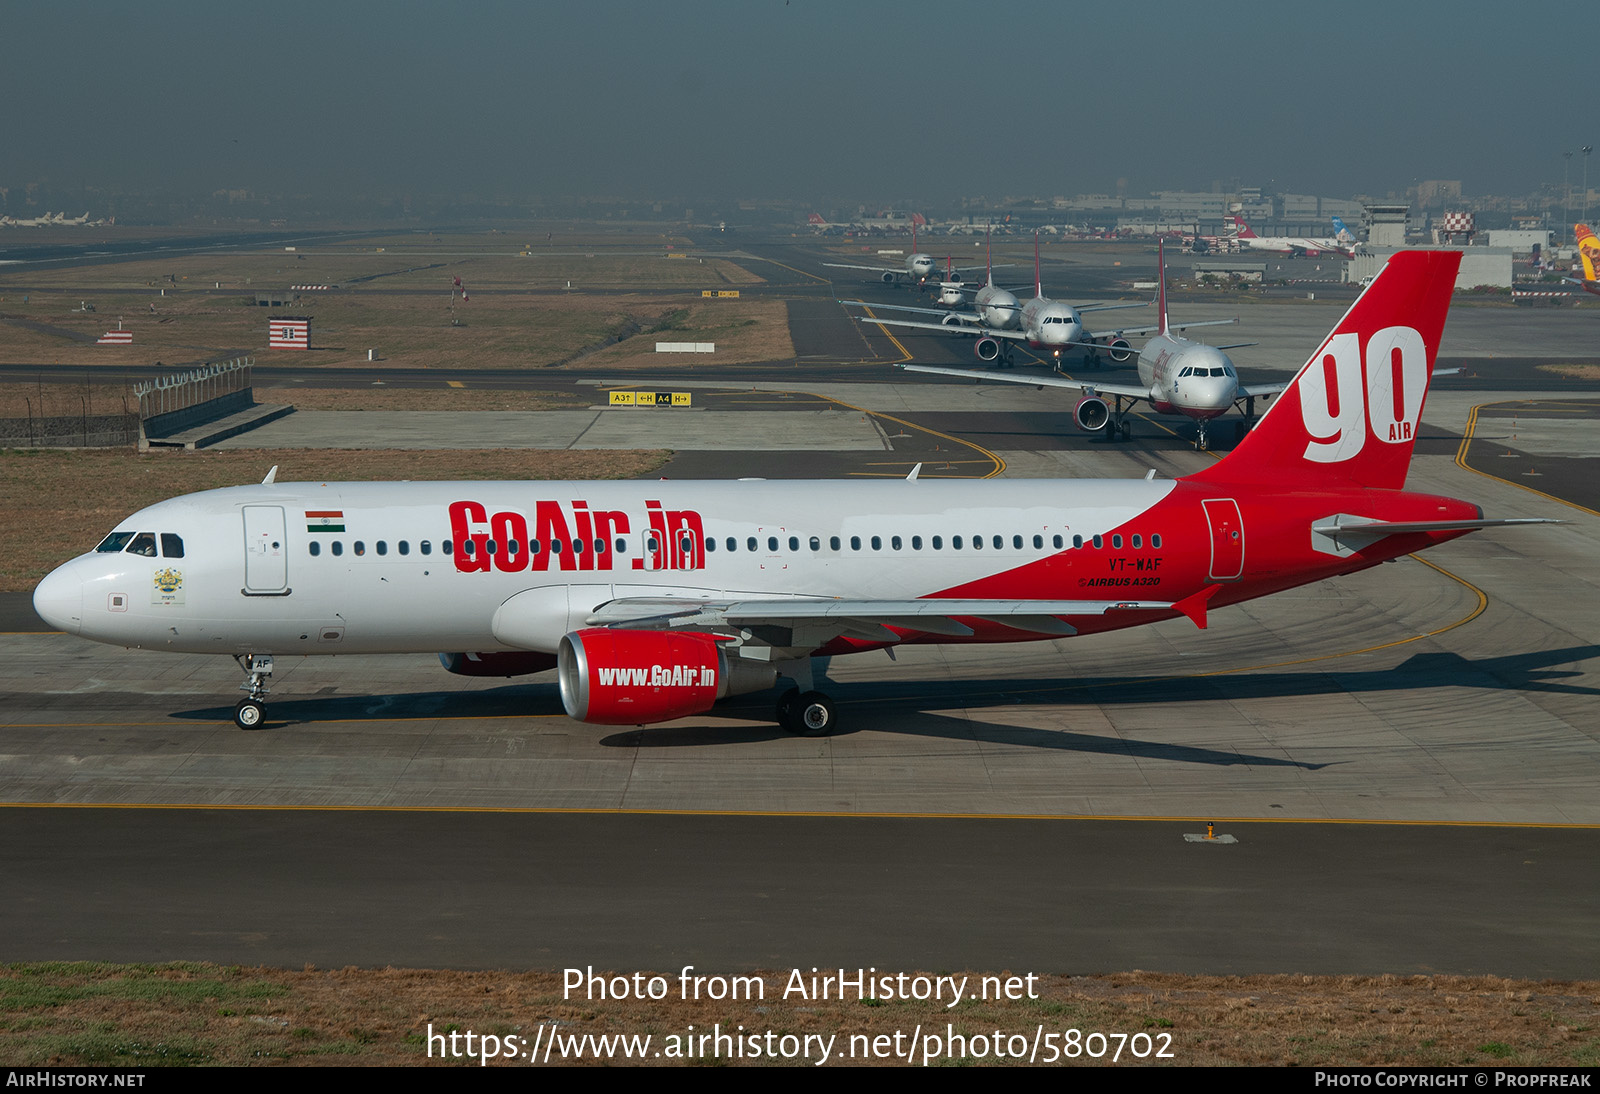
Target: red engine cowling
(637,678)
(515,663)
(1091,414)
(986,348)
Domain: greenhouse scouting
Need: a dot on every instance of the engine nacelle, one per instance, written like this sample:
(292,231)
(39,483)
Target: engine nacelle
(1091,414)
(1119,350)
(512,663)
(987,349)
(890,278)
(637,678)
(951,320)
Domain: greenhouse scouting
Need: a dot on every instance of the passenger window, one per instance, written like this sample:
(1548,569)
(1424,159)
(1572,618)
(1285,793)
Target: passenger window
(171,545)
(1155,541)
(711,543)
(383,546)
(1098,543)
(143,544)
(816,543)
(732,544)
(794,543)
(955,543)
(468,547)
(427,547)
(599,546)
(491,546)
(750,544)
(1077,541)
(938,543)
(772,544)
(555,546)
(534,546)
(622,546)
(577,546)
(405,547)
(833,543)
(1116,543)
(116,541)
(316,548)
(894,541)
(855,543)
(338,547)
(1138,542)
(877,543)
(445,546)
(1038,542)
(916,543)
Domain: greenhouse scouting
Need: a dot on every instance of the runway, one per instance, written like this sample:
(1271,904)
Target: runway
(1406,757)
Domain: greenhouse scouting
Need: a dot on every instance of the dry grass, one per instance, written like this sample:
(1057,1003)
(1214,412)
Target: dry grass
(397,297)
(1577,372)
(58,503)
(82,1014)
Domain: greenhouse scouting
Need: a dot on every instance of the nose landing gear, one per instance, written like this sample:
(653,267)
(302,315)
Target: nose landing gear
(252,710)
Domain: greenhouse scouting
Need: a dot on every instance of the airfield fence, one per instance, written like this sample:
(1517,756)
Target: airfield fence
(183,391)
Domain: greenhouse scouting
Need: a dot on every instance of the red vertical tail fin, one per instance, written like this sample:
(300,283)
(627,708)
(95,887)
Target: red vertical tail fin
(1161,281)
(1350,416)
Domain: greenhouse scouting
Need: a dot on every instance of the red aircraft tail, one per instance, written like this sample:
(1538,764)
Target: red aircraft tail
(1350,416)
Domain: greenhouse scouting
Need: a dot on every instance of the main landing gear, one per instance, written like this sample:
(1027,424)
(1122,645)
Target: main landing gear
(252,710)
(806,713)
(803,710)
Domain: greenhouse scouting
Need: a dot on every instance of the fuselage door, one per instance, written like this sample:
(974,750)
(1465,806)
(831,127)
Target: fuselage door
(266,550)
(1227,538)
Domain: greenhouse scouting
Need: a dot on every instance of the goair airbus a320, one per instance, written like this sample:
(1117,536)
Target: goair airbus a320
(652,600)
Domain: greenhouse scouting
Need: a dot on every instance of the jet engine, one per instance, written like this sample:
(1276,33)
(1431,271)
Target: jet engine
(987,349)
(951,320)
(1118,350)
(636,678)
(1091,414)
(889,278)
(515,663)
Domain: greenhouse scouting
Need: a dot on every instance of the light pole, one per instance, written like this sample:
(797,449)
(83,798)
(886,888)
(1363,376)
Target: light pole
(1586,149)
(1566,186)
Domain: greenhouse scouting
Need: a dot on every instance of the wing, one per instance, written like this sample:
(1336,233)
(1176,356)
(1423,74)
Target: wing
(793,627)
(874,269)
(1014,335)
(1087,387)
(965,317)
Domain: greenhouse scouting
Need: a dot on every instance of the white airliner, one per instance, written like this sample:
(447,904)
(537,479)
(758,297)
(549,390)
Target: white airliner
(918,267)
(1342,243)
(1044,324)
(992,306)
(1176,376)
(653,600)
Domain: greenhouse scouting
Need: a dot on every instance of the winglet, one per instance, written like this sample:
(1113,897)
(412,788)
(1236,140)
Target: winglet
(915,471)
(271,476)
(1194,605)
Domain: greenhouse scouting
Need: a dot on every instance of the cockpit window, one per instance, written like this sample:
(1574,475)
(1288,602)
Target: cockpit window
(116,541)
(171,545)
(143,544)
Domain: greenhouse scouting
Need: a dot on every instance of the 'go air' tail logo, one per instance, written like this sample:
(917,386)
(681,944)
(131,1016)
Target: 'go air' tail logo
(1338,399)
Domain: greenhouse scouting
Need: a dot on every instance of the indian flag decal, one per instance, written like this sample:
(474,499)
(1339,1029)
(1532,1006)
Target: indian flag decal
(324,520)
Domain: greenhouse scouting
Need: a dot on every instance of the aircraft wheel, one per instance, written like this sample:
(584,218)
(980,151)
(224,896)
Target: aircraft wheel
(814,715)
(1126,431)
(249,714)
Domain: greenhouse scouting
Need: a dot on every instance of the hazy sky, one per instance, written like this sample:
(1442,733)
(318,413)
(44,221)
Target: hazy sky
(814,100)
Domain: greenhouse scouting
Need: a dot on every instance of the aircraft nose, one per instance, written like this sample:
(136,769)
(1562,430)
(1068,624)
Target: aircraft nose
(59,600)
